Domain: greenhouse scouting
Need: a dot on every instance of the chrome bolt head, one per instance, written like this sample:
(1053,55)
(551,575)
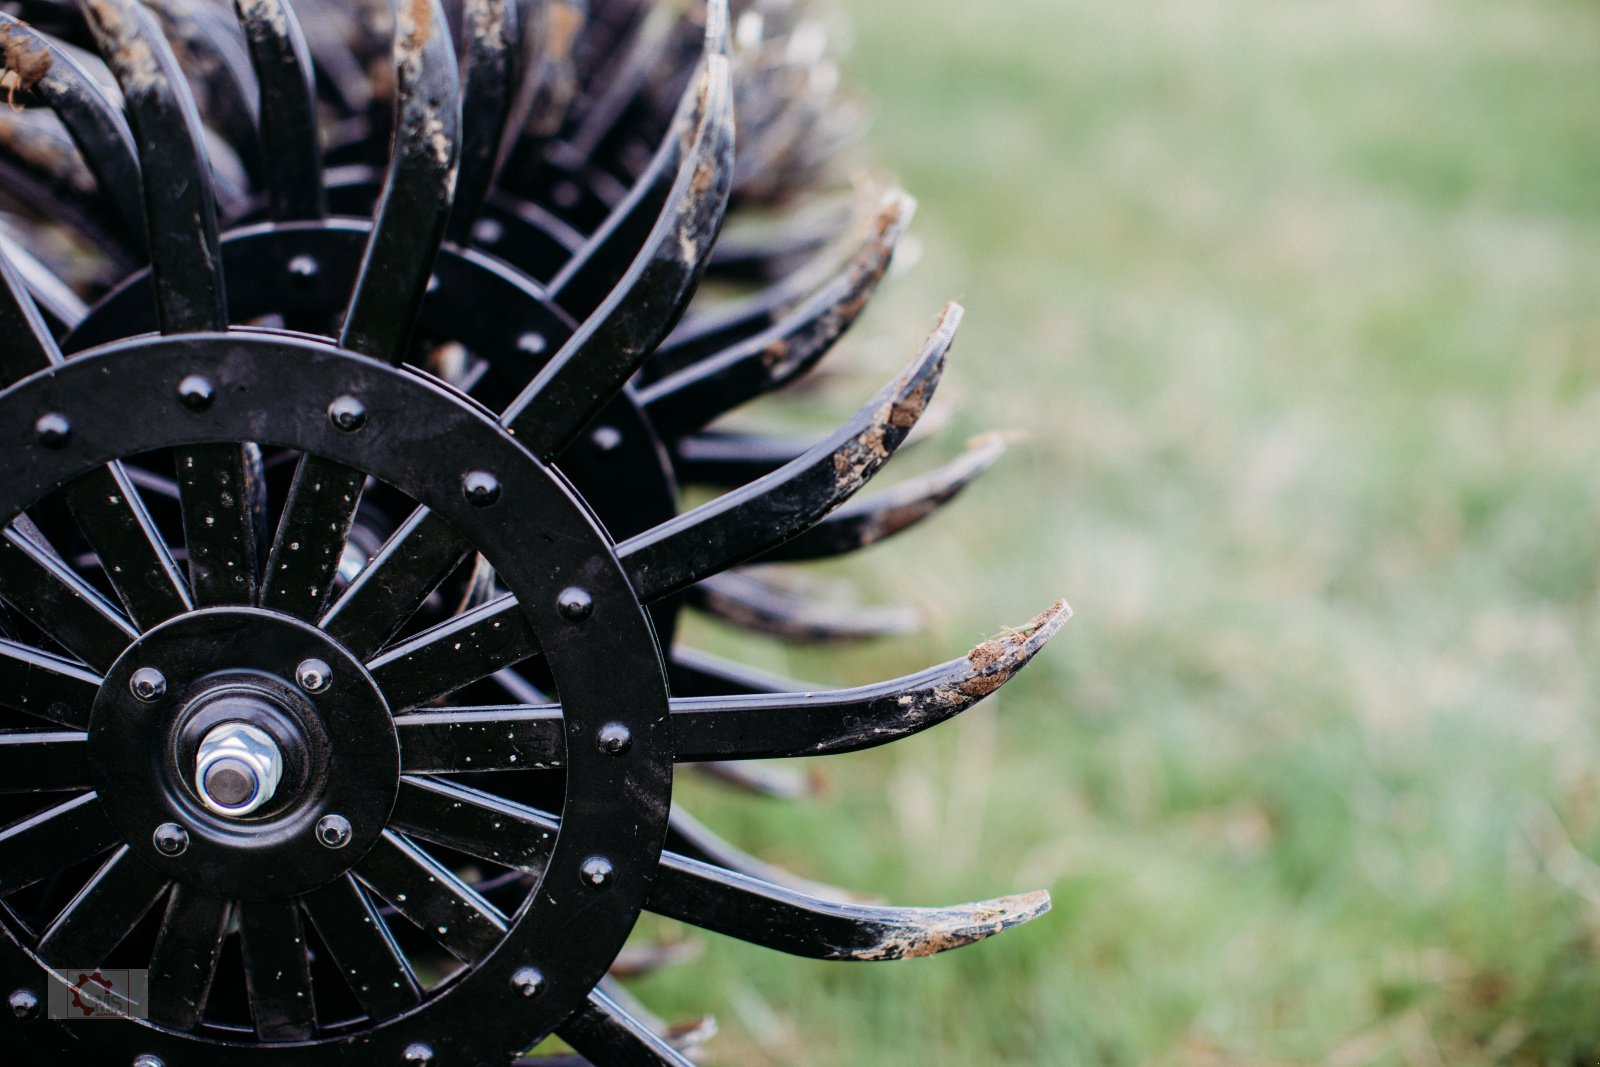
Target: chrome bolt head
(334,831)
(53,430)
(170,839)
(237,769)
(418,1055)
(528,982)
(481,488)
(24,1004)
(615,739)
(148,684)
(575,604)
(313,675)
(597,872)
(196,392)
(347,413)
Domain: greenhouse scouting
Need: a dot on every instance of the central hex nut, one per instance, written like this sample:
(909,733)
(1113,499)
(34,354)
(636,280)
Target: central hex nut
(237,769)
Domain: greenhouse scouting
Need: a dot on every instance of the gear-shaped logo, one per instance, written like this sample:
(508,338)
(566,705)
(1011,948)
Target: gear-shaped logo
(91,1007)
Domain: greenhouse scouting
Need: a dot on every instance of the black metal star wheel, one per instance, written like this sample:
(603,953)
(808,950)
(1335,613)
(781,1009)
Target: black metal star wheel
(332,703)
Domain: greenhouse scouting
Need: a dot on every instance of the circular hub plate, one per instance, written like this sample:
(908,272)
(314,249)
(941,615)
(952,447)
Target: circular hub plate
(227,664)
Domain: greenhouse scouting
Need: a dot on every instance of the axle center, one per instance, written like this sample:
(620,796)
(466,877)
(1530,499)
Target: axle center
(237,768)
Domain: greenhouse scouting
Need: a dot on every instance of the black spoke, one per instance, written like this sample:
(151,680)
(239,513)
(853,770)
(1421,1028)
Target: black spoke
(38,761)
(493,37)
(481,739)
(390,589)
(45,685)
(310,542)
(219,487)
(104,912)
(775,917)
(792,499)
(361,944)
(53,840)
(438,661)
(644,306)
(29,346)
(424,891)
(477,823)
(43,589)
(692,670)
(290,146)
(184,960)
(729,459)
(608,1036)
(771,725)
(277,970)
(130,549)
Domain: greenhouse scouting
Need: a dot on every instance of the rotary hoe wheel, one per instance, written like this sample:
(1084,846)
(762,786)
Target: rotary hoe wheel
(351,365)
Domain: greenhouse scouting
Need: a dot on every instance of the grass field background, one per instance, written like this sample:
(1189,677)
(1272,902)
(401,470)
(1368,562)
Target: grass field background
(1298,304)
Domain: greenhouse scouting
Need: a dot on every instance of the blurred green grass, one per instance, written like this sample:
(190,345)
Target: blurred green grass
(1296,303)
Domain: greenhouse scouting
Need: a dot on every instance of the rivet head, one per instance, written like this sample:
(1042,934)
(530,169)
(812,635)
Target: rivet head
(575,604)
(481,488)
(313,675)
(347,414)
(606,438)
(532,343)
(418,1055)
(304,269)
(148,1060)
(171,839)
(615,739)
(528,982)
(148,684)
(196,392)
(488,231)
(24,1004)
(596,872)
(53,430)
(334,831)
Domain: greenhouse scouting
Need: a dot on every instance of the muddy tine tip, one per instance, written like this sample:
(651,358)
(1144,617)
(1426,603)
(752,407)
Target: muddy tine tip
(936,930)
(994,662)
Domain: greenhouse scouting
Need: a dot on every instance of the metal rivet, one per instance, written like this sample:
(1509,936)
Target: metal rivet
(347,414)
(313,675)
(171,839)
(25,1004)
(488,231)
(528,982)
(575,604)
(606,438)
(53,430)
(148,1060)
(148,684)
(304,269)
(532,343)
(334,831)
(418,1054)
(481,488)
(196,392)
(615,739)
(597,871)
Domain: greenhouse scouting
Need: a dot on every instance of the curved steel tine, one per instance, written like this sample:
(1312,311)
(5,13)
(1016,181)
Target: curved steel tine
(638,960)
(690,838)
(606,1035)
(61,307)
(770,915)
(742,726)
(559,24)
(612,253)
(215,59)
(690,398)
(605,351)
(776,783)
(43,175)
(336,65)
(729,459)
(287,104)
(694,672)
(492,33)
(180,203)
(761,607)
(864,522)
(769,511)
(779,725)
(52,76)
(767,253)
(417,192)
